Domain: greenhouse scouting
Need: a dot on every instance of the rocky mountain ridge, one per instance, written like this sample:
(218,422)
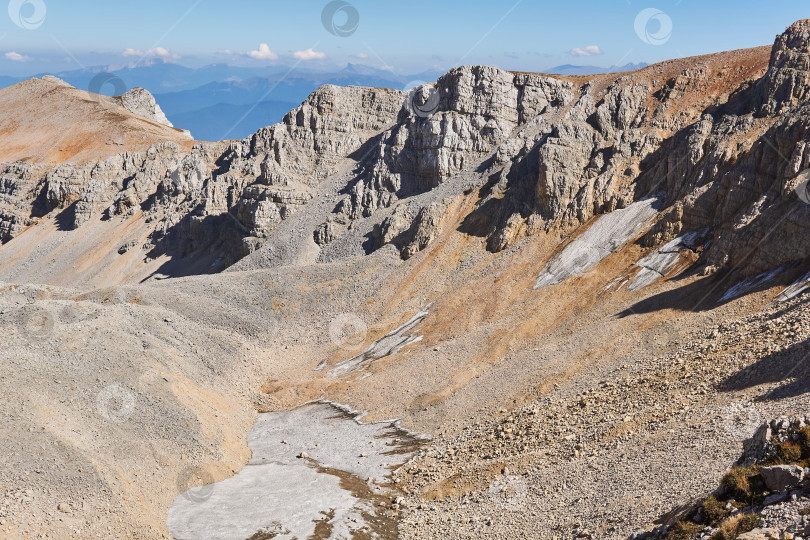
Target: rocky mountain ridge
(553,153)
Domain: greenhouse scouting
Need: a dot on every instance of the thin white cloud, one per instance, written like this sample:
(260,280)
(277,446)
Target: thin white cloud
(361,56)
(264,53)
(160,52)
(17,57)
(590,50)
(157,52)
(309,54)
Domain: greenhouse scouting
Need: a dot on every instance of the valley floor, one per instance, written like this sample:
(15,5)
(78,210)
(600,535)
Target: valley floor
(604,416)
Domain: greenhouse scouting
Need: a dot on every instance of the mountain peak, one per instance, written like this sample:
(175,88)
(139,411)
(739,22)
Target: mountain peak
(788,79)
(802,23)
(57,80)
(46,120)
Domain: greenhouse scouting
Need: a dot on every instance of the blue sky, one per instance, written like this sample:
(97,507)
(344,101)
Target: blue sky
(407,37)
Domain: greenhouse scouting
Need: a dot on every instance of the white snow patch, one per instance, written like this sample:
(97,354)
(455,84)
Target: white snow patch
(660,262)
(750,284)
(609,233)
(389,344)
(795,289)
(279,492)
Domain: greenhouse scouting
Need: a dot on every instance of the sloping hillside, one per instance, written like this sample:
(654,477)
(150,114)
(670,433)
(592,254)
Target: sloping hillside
(45,121)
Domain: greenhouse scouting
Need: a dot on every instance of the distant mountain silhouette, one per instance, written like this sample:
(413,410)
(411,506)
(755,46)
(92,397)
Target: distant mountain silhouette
(570,69)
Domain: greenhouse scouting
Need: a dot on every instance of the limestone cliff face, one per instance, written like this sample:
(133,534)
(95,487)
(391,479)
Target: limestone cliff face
(721,140)
(282,163)
(723,159)
(737,169)
(19,184)
(253,184)
(443,131)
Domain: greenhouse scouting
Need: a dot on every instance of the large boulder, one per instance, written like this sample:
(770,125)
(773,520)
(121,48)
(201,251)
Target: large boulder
(782,477)
(760,534)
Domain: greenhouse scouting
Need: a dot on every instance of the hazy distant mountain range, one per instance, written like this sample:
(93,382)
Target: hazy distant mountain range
(568,69)
(225,102)
(219,101)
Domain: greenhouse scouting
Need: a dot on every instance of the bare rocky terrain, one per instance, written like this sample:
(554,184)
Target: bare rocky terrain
(585,291)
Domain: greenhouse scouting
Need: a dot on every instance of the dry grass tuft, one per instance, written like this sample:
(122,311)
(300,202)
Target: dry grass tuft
(738,482)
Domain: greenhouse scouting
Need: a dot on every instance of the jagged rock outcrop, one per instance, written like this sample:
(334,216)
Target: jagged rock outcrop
(140,101)
(114,186)
(254,183)
(556,154)
(788,81)
(411,230)
(730,166)
(19,187)
(761,497)
(735,171)
(764,444)
(273,172)
(425,228)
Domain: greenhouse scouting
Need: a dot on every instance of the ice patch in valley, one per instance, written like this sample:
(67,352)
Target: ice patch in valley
(308,477)
(751,284)
(795,289)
